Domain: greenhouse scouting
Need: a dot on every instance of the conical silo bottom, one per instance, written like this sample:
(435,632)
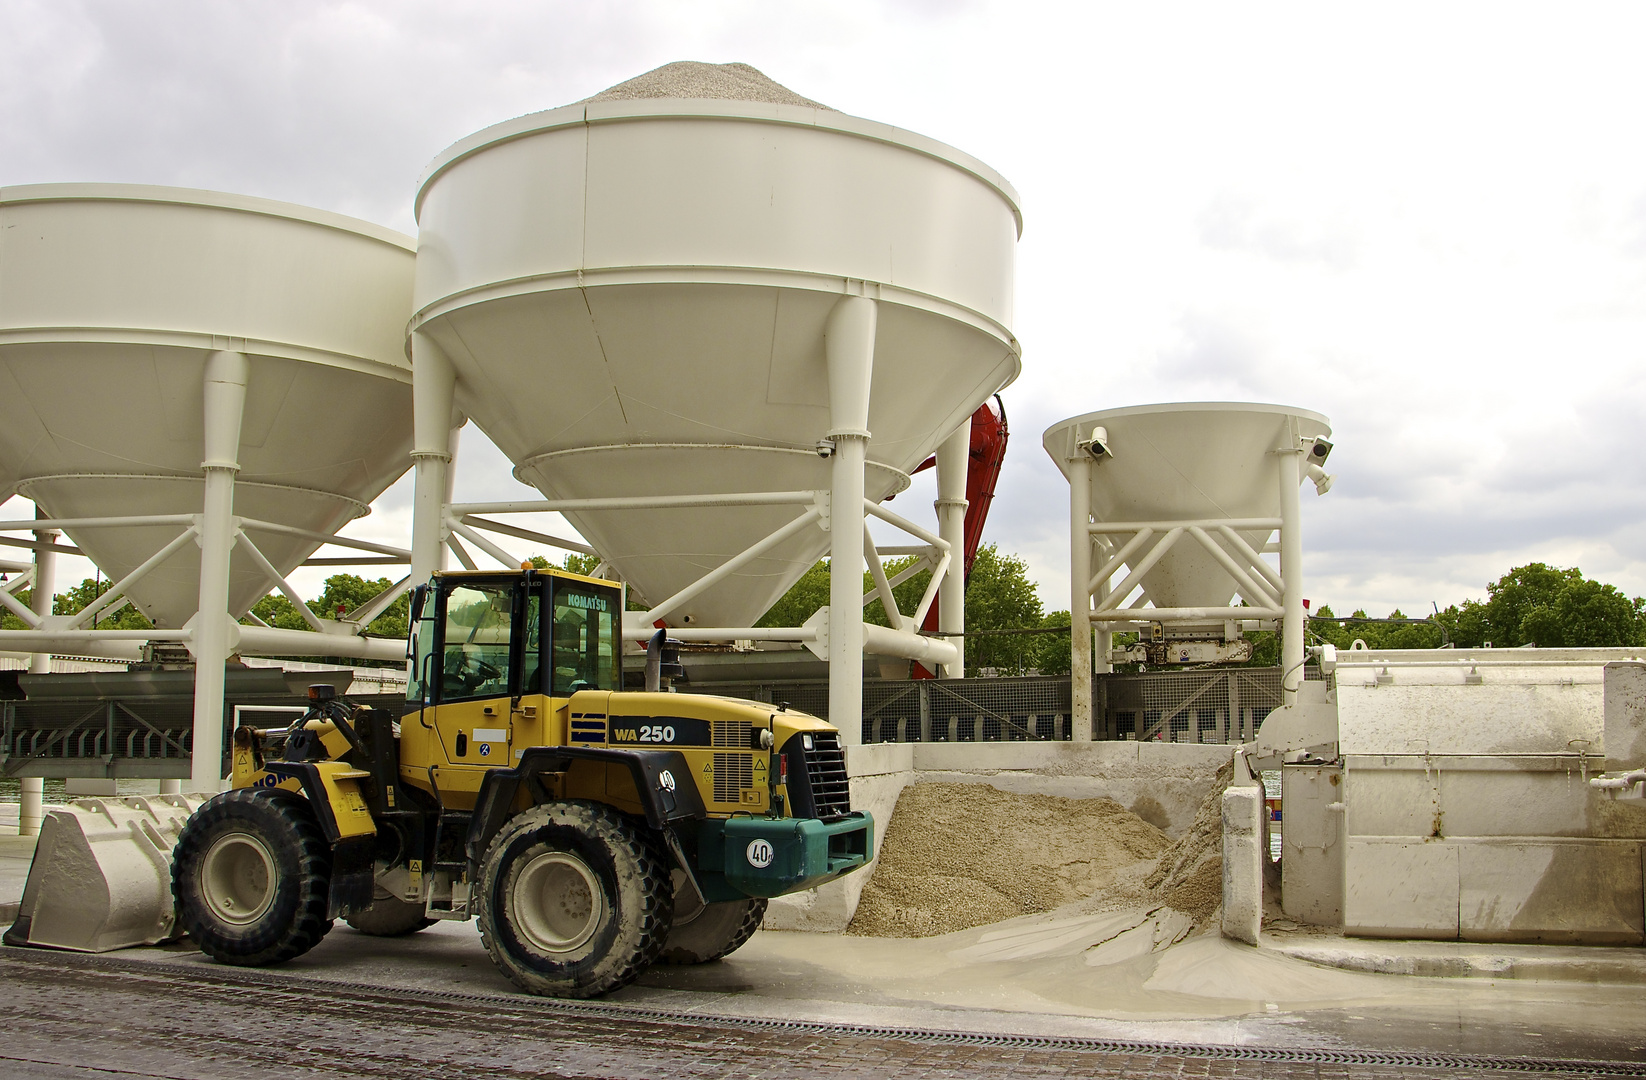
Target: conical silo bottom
(661,551)
(169,594)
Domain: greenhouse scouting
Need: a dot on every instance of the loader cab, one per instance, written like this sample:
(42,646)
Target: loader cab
(490,653)
(479,635)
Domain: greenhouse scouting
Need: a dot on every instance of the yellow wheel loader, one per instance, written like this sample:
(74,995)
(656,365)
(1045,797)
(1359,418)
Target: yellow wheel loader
(592,831)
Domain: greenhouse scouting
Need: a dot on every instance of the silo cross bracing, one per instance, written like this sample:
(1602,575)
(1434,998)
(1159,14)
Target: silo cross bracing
(684,285)
(115,303)
(1172,507)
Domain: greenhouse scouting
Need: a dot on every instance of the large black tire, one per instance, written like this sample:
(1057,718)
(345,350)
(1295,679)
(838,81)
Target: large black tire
(713,931)
(389,916)
(251,875)
(574,901)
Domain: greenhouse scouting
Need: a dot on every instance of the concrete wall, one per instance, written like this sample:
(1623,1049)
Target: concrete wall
(1163,783)
(1466,809)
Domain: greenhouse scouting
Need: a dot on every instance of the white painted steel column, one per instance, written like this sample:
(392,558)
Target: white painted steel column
(953,461)
(434,383)
(849,346)
(32,789)
(225,407)
(1080,597)
(1291,571)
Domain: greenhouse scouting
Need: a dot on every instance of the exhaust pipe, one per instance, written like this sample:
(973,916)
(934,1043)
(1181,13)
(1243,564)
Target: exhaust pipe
(654,662)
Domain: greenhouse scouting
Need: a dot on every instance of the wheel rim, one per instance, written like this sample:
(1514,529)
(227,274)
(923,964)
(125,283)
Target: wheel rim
(557,902)
(237,878)
(688,905)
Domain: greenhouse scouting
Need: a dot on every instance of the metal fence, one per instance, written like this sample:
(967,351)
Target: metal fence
(1209,705)
(1213,705)
(1031,708)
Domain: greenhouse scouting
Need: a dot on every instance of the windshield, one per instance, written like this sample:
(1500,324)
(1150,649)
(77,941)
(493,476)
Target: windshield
(585,638)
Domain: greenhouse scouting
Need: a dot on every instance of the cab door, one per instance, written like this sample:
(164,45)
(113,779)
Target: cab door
(482,654)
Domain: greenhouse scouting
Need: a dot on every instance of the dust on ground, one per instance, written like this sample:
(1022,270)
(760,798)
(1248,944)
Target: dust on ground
(693,79)
(962,855)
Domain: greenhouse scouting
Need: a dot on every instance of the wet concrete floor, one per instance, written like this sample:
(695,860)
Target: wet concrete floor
(169,1011)
(1203,991)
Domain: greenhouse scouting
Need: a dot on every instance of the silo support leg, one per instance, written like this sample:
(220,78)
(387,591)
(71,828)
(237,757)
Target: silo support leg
(225,406)
(849,348)
(32,789)
(1291,572)
(1080,597)
(953,457)
(434,444)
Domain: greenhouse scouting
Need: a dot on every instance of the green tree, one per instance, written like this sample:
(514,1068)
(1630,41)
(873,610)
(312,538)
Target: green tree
(802,600)
(343,594)
(999,596)
(1325,627)
(1551,607)
(74,600)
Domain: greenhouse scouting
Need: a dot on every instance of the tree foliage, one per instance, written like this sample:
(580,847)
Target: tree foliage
(999,596)
(1535,604)
(343,594)
(1554,608)
(74,600)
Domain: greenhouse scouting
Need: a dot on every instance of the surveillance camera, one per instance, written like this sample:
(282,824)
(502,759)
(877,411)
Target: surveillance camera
(825,448)
(1322,479)
(1097,444)
(1317,450)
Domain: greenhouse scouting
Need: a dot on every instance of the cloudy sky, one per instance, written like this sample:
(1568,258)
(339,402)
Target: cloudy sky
(1427,221)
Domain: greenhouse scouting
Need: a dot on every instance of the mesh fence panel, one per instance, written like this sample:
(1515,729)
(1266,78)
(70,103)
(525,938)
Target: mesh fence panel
(1213,705)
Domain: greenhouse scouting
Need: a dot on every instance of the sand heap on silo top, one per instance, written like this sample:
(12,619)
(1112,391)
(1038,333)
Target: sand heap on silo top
(693,79)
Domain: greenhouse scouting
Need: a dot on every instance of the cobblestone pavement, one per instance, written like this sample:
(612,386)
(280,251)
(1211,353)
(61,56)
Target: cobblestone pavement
(78,1017)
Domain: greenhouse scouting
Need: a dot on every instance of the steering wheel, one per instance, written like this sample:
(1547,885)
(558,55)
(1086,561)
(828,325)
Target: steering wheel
(471,671)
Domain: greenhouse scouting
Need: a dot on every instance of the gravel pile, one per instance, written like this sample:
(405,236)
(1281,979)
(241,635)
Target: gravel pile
(1189,875)
(692,79)
(961,855)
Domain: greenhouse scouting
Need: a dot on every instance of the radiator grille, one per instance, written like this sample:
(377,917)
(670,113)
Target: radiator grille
(826,770)
(732,773)
(732,734)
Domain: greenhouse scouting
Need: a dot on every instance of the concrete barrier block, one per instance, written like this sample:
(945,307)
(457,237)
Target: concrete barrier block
(1243,859)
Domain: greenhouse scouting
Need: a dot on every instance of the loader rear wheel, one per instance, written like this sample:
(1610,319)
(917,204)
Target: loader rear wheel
(389,916)
(574,900)
(251,875)
(716,930)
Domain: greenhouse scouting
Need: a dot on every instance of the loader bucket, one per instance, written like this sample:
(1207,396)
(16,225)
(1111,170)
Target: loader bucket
(101,875)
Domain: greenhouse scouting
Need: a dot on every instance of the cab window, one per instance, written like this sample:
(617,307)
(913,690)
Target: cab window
(531,655)
(475,658)
(584,638)
(423,627)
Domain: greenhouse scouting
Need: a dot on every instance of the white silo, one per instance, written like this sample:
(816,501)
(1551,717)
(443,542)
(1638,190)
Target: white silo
(706,318)
(1171,508)
(185,372)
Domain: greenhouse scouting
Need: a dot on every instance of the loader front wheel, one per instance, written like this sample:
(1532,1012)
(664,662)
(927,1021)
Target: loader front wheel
(574,900)
(716,930)
(251,875)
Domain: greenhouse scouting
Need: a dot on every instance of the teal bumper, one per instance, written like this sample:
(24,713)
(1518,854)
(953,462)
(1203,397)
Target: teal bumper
(757,856)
